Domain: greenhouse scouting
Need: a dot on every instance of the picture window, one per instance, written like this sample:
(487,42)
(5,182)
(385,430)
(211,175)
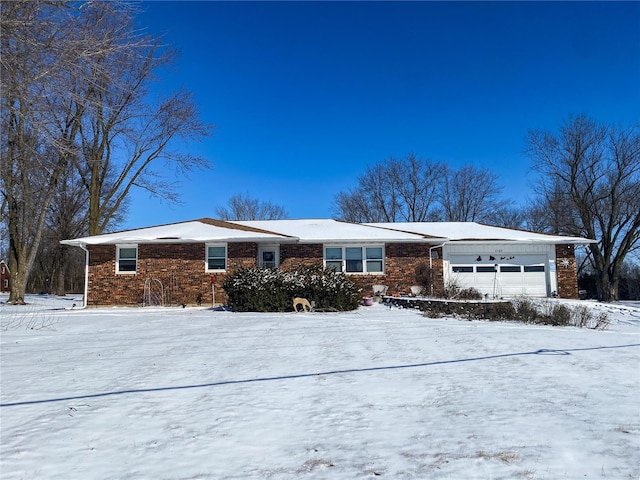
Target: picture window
(355,259)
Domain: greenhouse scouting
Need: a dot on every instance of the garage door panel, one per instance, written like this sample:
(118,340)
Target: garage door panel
(501,275)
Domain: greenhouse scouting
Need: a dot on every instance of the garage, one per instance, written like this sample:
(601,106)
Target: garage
(498,261)
(501,273)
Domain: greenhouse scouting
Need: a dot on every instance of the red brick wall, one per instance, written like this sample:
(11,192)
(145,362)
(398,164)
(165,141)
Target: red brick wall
(179,267)
(437,272)
(241,255)
(181,270)
(292,255)
(400,265)
(567,274)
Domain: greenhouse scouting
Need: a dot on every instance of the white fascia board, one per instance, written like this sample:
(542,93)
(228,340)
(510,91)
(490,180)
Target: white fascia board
(477,232)
(532,241)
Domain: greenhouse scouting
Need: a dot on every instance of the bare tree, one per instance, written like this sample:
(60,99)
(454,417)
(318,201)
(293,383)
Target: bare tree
(470,194)
(242,207)
(34,53)
(509,216)
(390,191)
(67,218)
(354,206)
(127,141)
(76,80)
(590,180)
(416,182)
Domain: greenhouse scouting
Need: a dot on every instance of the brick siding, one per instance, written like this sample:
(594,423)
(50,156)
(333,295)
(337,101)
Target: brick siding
(180,268)
(292,255)
(567,274)
(400,265)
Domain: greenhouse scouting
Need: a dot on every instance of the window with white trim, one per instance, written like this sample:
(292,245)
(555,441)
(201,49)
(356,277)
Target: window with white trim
(216,257)
(126,259)
(355,258)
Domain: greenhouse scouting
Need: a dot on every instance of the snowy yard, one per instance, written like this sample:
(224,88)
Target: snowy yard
(172,393)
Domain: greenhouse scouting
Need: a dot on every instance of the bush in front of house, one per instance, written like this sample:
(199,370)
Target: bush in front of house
(522,309)
(257,289)
(454,291)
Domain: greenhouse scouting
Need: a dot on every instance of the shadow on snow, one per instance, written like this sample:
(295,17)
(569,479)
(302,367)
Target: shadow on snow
(542,351)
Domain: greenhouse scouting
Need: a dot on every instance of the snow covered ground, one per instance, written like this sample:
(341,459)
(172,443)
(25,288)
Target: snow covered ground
(172,393)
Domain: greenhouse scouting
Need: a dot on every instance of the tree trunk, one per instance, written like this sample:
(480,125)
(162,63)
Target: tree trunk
(19,274)
(607,286)
(59,273)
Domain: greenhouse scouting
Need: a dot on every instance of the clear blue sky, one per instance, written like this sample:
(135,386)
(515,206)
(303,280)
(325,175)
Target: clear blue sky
(305,95)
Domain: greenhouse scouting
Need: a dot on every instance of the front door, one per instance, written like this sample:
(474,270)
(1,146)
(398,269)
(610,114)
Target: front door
(268,256)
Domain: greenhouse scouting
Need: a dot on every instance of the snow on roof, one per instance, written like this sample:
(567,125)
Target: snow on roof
(202,230)
(319,231)
(327,230)
(472,231)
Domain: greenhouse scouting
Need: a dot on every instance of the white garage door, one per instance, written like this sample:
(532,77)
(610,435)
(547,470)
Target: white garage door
(497,276)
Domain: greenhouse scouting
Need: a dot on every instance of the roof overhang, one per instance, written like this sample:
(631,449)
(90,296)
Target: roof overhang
(204,230)
(560,241)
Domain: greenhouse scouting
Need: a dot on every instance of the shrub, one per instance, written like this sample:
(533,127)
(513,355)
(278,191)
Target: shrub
(424,275)
(256,289)
(521,309)
(560,315)
(501,311)
(582,316)
(552,313)
(469,294)
(453,290)
(525,310)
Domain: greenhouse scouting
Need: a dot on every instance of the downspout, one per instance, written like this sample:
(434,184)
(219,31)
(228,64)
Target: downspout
(431,264)
(86,276)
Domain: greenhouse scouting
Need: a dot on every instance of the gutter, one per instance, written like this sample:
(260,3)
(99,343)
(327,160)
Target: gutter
(86,275)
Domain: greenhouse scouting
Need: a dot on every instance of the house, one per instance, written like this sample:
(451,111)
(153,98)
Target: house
(187,262)
(5,277)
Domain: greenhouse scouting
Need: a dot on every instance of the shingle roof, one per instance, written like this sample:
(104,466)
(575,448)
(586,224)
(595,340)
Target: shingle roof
(473,231)
(202,230)
(319,231)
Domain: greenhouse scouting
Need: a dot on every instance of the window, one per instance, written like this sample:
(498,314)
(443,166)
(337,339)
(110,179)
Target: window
(533,268)
(355,259)
(268,259)
(216,257)
(127,258)
(375,260)
(461,269)
(333,258)
(510,268)
(490,269)
(6,283)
